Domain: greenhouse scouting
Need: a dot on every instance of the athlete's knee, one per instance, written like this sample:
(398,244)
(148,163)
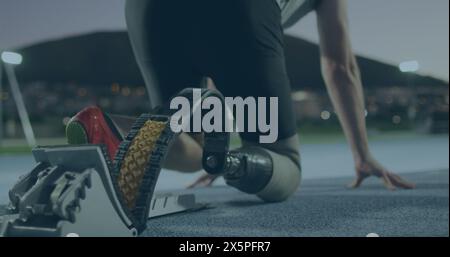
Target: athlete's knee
(272,171)
(285,180)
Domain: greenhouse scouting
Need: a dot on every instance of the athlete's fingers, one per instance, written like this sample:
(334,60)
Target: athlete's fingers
(203,181)
(387,181)
(198,183)
(400,182)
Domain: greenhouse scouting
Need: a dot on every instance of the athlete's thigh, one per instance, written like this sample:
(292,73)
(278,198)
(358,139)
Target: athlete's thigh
(252,61)
(158,44)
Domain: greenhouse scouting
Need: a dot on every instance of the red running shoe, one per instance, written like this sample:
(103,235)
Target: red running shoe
(92,126)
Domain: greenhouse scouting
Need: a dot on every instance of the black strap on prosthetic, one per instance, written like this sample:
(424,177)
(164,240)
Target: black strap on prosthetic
(216,144)
(248,169)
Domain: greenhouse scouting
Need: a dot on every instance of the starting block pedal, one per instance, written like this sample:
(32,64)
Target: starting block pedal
(70,191)
(77,190)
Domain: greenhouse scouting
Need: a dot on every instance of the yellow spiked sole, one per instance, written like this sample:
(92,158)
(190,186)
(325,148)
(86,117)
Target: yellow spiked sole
(136,160)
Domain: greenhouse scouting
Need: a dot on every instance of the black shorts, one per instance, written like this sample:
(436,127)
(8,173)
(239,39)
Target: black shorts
(238,43)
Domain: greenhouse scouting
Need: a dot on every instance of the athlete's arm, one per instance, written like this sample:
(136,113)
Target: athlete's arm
(343,81)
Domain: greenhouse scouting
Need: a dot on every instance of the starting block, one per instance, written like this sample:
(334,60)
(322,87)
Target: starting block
(73,189)
(70,192)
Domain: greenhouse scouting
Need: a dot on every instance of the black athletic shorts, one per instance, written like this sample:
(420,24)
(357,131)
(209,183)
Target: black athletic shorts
(238,43)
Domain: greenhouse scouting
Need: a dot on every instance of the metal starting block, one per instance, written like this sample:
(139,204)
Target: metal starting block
(70,192)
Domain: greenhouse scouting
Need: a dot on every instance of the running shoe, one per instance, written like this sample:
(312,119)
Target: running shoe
(92,126)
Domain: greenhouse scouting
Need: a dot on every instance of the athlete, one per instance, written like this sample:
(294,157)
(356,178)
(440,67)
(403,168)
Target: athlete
(239,45)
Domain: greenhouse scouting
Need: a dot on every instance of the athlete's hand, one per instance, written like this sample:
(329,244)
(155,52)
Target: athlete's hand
(373,168)
(205,180)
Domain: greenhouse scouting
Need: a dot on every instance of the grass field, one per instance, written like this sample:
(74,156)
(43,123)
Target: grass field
(307,136)
(19,146)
